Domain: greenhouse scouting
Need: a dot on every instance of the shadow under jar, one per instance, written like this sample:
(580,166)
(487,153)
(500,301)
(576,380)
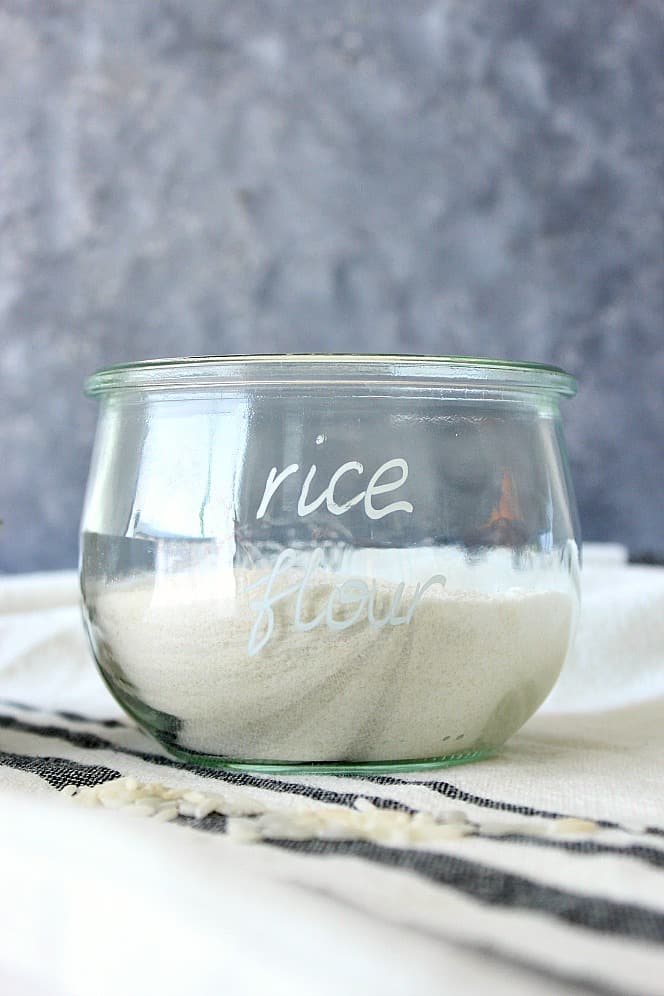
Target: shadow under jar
(326,561)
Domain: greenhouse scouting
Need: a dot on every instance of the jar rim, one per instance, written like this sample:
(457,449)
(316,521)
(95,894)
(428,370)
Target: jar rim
(280,369)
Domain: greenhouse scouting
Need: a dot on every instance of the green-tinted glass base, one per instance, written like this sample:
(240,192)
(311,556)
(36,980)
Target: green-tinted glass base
(330,768)
(163,729)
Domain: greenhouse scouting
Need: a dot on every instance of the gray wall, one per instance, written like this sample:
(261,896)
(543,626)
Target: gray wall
(455,176)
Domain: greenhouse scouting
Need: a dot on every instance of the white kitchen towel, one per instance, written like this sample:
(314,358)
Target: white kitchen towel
(557,886)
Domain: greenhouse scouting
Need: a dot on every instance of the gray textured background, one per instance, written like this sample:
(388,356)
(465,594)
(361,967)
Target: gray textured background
(455,176)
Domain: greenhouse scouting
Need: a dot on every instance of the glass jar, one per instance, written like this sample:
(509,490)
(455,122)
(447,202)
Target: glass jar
(328,561)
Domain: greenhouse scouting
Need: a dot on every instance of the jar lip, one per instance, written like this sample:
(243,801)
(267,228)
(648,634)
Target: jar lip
(280,369)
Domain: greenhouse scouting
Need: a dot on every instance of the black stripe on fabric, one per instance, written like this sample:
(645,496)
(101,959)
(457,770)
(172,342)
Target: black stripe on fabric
(90,741)
(75,717)
(59,771)
(79,776)
(494,887)
(649,855)
(483,883)
(579,985)
(450,791)
(487,885)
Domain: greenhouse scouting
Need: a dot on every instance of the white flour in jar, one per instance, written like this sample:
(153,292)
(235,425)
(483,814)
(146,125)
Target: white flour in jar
(466,669)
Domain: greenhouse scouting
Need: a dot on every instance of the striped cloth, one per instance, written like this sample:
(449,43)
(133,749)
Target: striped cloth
(531,902)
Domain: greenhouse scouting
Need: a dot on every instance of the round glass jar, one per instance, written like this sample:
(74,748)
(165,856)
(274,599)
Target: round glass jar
(329,561)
